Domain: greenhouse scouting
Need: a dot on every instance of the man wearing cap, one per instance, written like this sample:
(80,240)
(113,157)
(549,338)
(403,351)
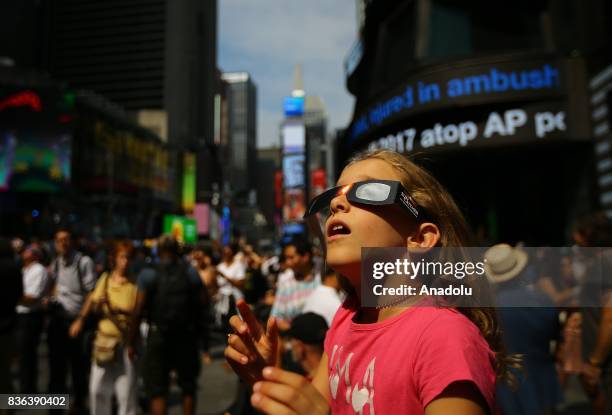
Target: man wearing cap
(30,317)
(307,334)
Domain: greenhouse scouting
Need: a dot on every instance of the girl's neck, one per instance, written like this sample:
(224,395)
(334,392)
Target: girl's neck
(368,315)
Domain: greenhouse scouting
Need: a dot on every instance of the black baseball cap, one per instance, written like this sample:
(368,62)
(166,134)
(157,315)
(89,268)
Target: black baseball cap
(309,328)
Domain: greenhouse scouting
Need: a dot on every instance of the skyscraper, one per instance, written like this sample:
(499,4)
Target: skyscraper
(153,55)
(241,95)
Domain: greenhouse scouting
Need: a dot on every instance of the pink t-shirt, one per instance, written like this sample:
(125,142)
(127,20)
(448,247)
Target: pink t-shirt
(400,365)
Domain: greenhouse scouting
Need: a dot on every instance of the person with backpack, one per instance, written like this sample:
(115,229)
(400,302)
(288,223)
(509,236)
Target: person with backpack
(173,299)
(72,279)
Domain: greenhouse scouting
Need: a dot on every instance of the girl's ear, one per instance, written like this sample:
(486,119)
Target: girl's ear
(426,235)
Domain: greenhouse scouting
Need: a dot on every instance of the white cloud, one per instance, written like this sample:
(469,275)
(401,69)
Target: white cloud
(268,37)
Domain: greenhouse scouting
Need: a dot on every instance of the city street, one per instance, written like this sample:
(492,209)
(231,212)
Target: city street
(416,192)
(218,386)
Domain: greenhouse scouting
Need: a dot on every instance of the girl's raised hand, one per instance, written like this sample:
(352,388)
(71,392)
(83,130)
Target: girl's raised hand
(250,348)
(283,392)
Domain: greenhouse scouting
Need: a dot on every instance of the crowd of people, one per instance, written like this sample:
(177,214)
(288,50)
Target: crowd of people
(121,321)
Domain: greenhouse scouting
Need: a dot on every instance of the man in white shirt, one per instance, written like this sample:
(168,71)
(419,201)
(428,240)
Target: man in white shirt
(30,318)
(73,279)
(231,273)
(325,299)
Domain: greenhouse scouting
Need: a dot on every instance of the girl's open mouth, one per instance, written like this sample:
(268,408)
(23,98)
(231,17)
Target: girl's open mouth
(337,229)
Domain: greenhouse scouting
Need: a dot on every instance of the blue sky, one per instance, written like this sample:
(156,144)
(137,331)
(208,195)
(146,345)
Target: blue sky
(268,37)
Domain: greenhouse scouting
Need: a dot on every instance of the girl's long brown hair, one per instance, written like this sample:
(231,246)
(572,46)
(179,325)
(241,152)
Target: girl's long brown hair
(442,210)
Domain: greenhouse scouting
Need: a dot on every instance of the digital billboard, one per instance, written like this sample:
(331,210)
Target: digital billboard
(181,228)
(189,182)
(293,170)
(294,138)
(34,161)
(318,182)
(294,106)
(201,213)
(293,229)
(295,205)
(35,139)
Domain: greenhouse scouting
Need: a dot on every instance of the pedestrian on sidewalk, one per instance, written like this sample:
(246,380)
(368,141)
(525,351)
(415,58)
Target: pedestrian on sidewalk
(31,318)
(596,312)
(113,370)
(173,297)
(73,278)
(294,289)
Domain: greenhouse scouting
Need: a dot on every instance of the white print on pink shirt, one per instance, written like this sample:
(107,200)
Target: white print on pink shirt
(356,396)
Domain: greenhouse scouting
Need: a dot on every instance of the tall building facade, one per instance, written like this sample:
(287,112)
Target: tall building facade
(144,55)
(315,120)
(500,105)
(238,190)
(142,63)
(241,93)
(304,153)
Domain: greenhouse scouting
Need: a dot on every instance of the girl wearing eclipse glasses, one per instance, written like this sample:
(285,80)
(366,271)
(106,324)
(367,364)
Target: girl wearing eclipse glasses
(398,359)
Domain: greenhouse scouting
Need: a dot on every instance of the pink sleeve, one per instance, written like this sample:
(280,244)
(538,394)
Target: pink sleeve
(452,349)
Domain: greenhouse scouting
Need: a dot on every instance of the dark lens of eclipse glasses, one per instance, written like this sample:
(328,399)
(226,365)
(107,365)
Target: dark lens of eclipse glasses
(373,192)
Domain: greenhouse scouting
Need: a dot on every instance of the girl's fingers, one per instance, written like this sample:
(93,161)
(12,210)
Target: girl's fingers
(272,333)
(270,406)
(234,355)
(295,381)
(250,319)
(238,325)
(237,343)
(286,395)
(242,331)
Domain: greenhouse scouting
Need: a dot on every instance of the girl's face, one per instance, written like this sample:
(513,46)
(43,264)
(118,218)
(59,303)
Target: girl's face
(364,226)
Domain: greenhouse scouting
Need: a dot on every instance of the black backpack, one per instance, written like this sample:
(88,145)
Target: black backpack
(174,304)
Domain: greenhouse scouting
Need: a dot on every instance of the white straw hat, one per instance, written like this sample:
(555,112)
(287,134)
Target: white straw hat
(503,262)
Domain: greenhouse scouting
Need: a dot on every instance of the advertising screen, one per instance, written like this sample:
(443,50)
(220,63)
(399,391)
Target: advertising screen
(318,180)
(294,138)
(295,205)
(294,106)
(293,170)
(189,181)
(201,213)
(293,229)
(183,229)
(32,161)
